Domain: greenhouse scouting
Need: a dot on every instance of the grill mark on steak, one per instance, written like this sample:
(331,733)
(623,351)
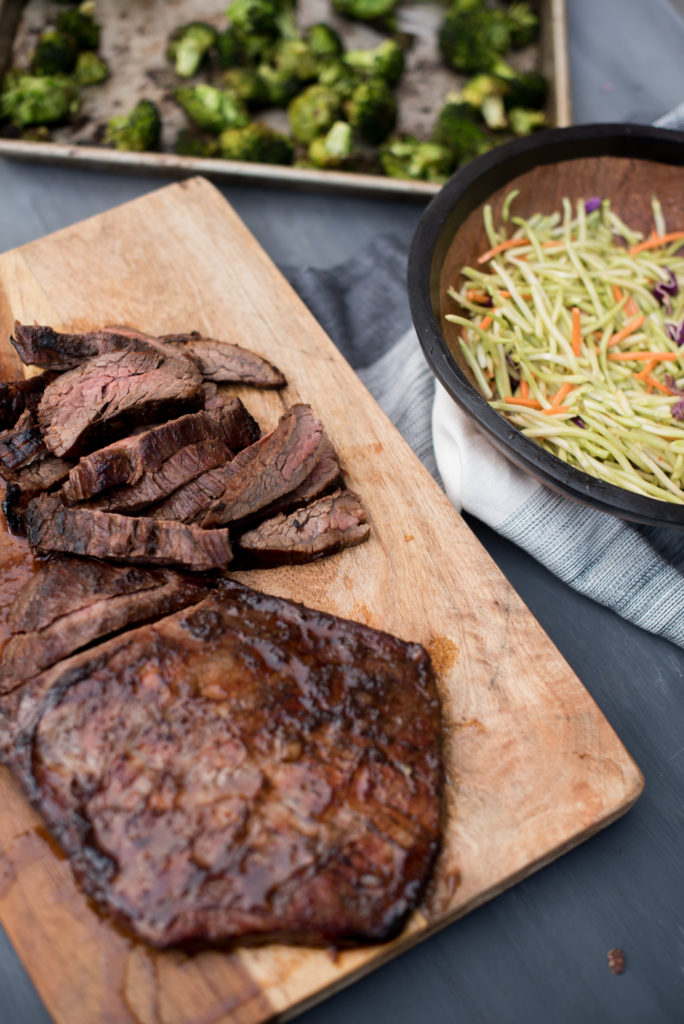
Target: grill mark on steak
(20,445)
(18,395)
(113,392)
(321,528)
(247,769)
(52,526)
(55,350)
(69,603)
(325,476)
(46,473)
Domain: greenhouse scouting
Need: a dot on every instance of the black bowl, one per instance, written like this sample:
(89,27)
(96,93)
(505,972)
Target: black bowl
(626,163)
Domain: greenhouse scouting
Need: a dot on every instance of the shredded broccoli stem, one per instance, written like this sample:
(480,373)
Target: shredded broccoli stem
(602,402)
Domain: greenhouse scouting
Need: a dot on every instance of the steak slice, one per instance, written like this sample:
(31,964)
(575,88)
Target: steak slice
(246,769)
(46,473)
(325,476)
(52,526)
(219,361)
(322,528)
(54,350)
(18,395)
(69,603)
(112,392)
(256,477)
(20,445)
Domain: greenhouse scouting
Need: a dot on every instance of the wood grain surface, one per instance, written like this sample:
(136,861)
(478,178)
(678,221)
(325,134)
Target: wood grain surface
(533,766)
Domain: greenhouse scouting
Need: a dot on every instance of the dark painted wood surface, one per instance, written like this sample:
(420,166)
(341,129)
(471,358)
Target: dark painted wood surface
(537,953)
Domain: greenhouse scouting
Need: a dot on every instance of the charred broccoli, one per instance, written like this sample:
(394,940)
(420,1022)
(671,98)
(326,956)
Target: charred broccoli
(334,149)
(339,77)
(524,122)
(188,47)
(383,61)
(365,10)
(323,40)
(138,130)
(256,143)
(408,157)
(90,68)
(192,143)
(254,17)
(372,110)
(229,48)
(458,129)
(525,89)
(473,39)
(55,53)
(247,84)
(523,24)
(212,109)
(313,112)
(295,56)
(37,99)
(80,24)
(280,86)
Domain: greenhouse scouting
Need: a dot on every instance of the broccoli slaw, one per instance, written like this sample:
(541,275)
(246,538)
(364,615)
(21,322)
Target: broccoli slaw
(573,329)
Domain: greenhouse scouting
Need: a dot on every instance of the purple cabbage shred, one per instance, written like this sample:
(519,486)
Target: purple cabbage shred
(664,289)
(593,203)
(578,421)
(678,409)
(671,330)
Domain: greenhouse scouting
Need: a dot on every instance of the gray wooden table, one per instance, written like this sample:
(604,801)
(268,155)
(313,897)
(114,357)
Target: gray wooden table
(538,953)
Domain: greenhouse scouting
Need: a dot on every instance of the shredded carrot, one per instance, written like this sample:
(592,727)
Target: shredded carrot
(628,329)
(561,394)
(511,243)
(524,389)
(485,323)
(655,241)
(617,293)
(656,384)
(656,357)
(576,331)
(643,374)
(556,410)
(631,307)
(531,403)
(477,296)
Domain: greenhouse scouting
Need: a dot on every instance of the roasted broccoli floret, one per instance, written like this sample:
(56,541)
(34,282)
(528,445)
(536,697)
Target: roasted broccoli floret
(247,84)
(229,48)
(188,47)
(313,112)
(334,149)
(210,108)
(386,60)
(91,69)
(458,129)
(280,86)
(525,89)
(365,10)
(80,24)
(55,53)
(254,17)
(372,110)
(408,157)
(323,40)
(523,24)
(524,122)
(38,99)
(295,56)
(192,143)
(138,130)
(474,39)
(339,77)
(257,143)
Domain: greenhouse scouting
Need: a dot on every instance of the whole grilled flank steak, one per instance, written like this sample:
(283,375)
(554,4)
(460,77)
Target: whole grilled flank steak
(51,526)
(70,602)
(245,769)
(257,477)
(314,531)
(108,394)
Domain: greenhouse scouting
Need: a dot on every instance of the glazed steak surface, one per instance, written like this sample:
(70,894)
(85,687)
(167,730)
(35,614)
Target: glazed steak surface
(244,769)
(108,394)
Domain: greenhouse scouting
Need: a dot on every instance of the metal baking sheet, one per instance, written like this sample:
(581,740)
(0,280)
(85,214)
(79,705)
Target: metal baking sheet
(134,35)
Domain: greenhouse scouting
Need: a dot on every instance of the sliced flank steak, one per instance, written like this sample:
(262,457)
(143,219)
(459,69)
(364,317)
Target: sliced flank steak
(52,526)
(55,350)
(110,393)
(20,445)
(322,528)
(245,769)
(18,395)
(44,474)
(70,602)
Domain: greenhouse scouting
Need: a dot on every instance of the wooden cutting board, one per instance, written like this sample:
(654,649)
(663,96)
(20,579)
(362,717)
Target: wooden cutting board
(533,766)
